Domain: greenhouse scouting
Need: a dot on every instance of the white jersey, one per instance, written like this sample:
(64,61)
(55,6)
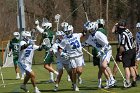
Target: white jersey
(97,40)
(56,52)
(26,55)
(138,39)
(72,45)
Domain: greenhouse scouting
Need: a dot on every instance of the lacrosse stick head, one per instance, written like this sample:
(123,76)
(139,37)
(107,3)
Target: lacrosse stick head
(126,84)
(46,42)
(57,17)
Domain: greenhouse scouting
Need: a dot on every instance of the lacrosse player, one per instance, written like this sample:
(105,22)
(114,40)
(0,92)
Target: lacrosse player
(96,60)
(63,25)
(137,50)
(14,49)
(71,48)
(61,61)
(47,33)
(27,48)
(127,52)
(98,40)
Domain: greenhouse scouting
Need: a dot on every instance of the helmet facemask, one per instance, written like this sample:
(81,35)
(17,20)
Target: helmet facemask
(68,30)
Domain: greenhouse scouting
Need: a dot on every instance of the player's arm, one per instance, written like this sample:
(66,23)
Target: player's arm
(41,30)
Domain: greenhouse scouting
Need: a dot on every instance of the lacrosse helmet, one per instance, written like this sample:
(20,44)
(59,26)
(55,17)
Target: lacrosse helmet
(59,35)
(64,24)
(68,30)
(46,25)
(91,26)
(26,35)
(138,25)
(17,35)
(101,21)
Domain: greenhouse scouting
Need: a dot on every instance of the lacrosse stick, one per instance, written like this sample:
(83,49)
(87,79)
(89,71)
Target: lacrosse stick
(85,9)
(47,43)
(87,52)
(124,80)
(57,17)
(2,78)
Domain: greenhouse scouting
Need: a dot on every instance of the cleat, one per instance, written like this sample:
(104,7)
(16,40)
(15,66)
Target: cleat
(50,81)
(37,90)
(134,84)
(76,88)
(23,87)
(55,88)
(17,77)
(112,83)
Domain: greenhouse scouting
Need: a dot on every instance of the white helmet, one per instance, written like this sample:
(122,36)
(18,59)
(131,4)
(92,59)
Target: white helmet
(26,34)
(46,25)
(17,35)
(68,30)
(91,25)
(138,25)
(101,21)
(64,24)
(59,33)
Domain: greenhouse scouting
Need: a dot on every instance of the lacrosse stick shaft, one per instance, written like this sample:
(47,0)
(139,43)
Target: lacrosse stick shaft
(2,77)
(85,10)
(87,52)
(118,67)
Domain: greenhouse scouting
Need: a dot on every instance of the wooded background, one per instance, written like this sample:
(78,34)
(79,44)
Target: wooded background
(110,10)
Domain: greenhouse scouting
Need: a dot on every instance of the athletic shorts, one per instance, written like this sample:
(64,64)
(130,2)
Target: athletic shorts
(106,56)
(26,66)
(117,56)
(61,65)
(76,61)
(48,58)
(15,60)
(128,58)
(96,60)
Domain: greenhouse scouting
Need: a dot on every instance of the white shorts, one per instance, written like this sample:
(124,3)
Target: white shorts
(61,65)
(138,56)
(26,66)
(77,61)
(107,57)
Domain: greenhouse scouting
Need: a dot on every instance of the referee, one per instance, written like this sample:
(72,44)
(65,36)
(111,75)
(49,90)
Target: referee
(127,52)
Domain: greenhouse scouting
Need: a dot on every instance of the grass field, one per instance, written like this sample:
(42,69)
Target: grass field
(89,84)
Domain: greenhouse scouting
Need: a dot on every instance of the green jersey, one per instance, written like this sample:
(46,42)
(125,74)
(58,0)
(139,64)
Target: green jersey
(14,46)
(48,33)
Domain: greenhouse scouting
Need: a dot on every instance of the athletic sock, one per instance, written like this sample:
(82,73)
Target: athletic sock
(99,81)
(18,74)
(51,76)
(111,77)
(55,72)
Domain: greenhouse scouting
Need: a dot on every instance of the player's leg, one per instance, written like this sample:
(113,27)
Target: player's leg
(15,60)
(74,73)
(60,70)
(48,66)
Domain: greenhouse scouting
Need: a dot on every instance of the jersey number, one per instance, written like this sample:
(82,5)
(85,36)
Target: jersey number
(75,44)
(27,53)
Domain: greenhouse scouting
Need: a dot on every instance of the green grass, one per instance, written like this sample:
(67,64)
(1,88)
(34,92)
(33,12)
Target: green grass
(89,85)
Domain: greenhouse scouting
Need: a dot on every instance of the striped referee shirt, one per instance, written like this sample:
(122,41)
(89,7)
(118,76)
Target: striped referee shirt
(126,39)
